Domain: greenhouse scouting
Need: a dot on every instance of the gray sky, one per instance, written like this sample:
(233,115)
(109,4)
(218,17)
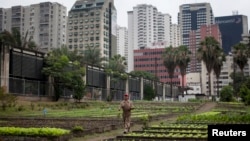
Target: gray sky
(220,7)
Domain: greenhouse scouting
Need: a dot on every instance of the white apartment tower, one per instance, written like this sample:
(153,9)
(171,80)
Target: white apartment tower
(146,26)
(122,46)
(90,23)
(144,21)
(45,22)
(164,28)
(175,35)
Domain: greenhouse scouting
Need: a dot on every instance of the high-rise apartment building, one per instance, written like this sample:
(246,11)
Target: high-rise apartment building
(90,23)
(122,47)
(45,23)
(192,16)
(175,35)
(232,28)
(146,25)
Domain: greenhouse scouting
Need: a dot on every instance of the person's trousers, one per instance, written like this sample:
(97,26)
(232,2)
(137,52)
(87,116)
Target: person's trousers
(126,120)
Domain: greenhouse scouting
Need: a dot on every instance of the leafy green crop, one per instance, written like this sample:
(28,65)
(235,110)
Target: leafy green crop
(45,131)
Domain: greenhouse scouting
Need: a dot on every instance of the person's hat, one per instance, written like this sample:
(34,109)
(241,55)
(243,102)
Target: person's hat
(125,94)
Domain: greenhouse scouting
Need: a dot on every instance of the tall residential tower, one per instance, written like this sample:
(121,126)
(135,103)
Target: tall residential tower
(90,24)
(45,23)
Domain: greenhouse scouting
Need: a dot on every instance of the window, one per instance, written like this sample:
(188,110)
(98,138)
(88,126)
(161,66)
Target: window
(97,12)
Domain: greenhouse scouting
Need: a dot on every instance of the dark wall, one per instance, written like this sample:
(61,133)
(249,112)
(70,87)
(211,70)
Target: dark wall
(26,65)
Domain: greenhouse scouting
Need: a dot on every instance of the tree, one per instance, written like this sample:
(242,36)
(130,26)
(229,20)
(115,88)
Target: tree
(240,55)
(149,93)
(182,61)
(117,63)
(170,62)
(15,39)
(143,74)
(92,56)
(65,71)
(217,68)
(208,54)
(226,93)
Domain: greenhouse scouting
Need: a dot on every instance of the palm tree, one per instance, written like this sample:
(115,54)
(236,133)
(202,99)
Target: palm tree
(14,39)
(240,55)
(92,56)
(207,54)
(170,62)
(117,63)
(217,68)
(64,50)
(182,61)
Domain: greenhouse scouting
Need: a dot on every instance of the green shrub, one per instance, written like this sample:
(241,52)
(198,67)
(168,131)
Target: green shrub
(226,94)
(77,128)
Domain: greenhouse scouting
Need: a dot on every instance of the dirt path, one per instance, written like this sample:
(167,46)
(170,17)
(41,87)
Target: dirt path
(112,134)
(206,107)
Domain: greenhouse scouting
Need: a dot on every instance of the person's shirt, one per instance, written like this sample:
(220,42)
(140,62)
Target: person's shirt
(126,105)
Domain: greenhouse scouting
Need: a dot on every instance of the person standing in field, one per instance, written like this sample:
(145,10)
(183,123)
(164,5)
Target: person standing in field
(126,106)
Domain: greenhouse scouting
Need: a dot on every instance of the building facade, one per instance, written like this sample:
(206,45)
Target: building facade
(232,28)
(146,25)
(90,24)
(122,47)
(150,60)
(45,23)
(192,16)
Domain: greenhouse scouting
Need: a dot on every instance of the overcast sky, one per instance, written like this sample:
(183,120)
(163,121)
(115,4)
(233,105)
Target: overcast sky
(220,7)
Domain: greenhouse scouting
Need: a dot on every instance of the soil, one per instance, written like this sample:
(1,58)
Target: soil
(112,134)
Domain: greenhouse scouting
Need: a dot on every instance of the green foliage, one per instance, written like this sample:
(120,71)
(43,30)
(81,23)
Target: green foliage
(238,80)
(6,98)
(62,65)
(226,94)
(92,56)
(145,119)
(117,64)
(215,117)
(143,74)
(77,128)
(149,93)
(245,94)
(18,131)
